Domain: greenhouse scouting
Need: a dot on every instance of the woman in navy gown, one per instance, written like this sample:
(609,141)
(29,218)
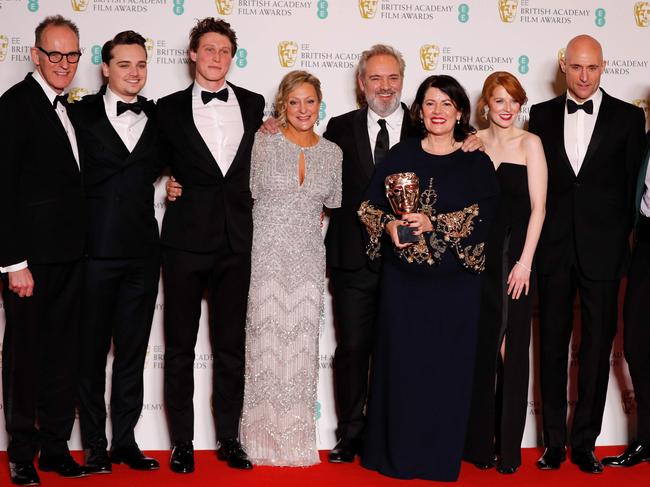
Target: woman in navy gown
(430,291)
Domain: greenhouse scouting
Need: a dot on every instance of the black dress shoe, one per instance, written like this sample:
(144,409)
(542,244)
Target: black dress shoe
(586,461)
(23,473)
(633,455)
(182,459)
(64,465)
(506,470)
(231,451)
(486,465)
(345,451)
(134,458)
(551,458)
(97,461)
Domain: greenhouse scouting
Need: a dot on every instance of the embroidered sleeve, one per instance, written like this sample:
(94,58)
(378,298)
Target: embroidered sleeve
(374,220)
(451,230)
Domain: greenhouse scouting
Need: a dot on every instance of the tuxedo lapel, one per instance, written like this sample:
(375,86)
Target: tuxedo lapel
(144,143)
(101,127)
(600,131)
(557,133)
(362,141)
(406,124)
(250,126)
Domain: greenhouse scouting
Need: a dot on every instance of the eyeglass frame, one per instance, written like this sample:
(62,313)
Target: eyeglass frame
(62,54)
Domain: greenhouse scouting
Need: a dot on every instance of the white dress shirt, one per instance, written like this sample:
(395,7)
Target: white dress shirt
(69,130)
(220,125)
(393,125)
(578,129)
(128,125)
(645,199)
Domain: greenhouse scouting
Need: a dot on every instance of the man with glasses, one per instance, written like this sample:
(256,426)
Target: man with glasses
(40,257)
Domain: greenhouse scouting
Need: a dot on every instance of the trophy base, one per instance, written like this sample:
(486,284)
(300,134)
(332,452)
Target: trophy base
(405,235)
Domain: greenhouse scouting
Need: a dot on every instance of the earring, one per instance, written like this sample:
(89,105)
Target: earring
(486,110)
(458,122)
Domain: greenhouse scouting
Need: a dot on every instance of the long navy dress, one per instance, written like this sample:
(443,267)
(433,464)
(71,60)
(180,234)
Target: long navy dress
(429,307)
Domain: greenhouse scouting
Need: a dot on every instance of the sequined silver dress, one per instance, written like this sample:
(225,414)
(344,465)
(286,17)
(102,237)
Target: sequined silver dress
(285,301)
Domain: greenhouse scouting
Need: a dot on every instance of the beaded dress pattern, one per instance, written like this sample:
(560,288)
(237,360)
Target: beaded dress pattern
(285,302)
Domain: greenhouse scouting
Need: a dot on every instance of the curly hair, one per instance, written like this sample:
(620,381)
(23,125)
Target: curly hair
(290,82)
(210,24)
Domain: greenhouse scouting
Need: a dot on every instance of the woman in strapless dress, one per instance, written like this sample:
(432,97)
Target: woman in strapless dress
(499,401)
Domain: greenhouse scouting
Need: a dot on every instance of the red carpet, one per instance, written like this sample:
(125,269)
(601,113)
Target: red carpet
(210,472)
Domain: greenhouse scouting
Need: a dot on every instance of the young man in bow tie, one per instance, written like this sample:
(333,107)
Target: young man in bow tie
(593,144)
(41,252)
(117,132)
(207,132)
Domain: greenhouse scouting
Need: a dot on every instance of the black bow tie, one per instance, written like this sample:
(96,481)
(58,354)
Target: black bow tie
(135,107)
(573,107)
(63,99)
(222,95)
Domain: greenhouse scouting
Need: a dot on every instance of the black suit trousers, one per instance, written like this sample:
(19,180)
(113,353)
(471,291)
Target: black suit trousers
(637,334)
(39,361)
(186,276)
(119,301)
(356,297)
(598,310)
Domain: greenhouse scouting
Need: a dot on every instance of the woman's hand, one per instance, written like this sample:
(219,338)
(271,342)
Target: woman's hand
(391,229)
(518,280)
(173,188)
(419,222)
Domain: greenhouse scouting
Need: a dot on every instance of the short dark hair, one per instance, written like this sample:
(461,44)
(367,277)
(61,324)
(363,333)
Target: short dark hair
(127,37)
(458,96)
(57,21)
(210,24)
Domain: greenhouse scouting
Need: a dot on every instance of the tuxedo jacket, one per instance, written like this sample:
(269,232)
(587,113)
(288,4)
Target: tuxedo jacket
(344,240)
(120,220)
(640,185)
(42,200)
(214,205)
(593,210)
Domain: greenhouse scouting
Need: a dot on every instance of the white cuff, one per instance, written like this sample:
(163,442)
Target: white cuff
(13,268)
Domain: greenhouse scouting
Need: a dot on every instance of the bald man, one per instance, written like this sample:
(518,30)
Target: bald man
(594,146)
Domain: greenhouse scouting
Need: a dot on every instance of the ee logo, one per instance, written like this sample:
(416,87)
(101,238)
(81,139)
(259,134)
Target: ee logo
(32,5)
(322,7)
(463,13)
(96,54)
(179,7)
(240,58)
(523,64)
(600,17)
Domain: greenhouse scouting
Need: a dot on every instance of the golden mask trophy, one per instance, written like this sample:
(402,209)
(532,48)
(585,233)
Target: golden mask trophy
(403,193)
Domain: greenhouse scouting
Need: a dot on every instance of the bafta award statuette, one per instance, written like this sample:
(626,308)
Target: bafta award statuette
(403,193)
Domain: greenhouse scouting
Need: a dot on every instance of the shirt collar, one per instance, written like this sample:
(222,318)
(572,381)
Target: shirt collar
(597,97)
(49,92)
(197,89)
(394,120)
(110,102)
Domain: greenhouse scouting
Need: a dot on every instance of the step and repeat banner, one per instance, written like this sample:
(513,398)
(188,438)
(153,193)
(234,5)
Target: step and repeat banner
(467,40)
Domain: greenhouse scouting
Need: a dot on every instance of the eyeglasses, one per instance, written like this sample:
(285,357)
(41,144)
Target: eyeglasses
(57,57)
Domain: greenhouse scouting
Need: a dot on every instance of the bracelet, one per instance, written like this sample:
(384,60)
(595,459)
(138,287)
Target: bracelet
(524,266)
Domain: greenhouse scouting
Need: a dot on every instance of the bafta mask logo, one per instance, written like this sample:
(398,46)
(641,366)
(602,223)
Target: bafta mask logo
(643,104)
(642,14)
(79,5)
(368,8)
(4,46)
(508,10)
(561,54)
(429,54)
(287,53)
(224,7)
(629,401)
(148,45)
(76,94)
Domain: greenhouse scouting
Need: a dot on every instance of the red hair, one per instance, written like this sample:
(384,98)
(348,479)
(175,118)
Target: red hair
(509,82)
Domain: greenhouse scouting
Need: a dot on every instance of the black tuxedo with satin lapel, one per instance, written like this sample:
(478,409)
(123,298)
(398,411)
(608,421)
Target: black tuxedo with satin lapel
(206,237)
(121,272)
(354,279)
(42,210)
(584,247)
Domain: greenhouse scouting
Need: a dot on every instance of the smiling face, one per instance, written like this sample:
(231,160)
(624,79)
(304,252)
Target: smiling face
(583,65)
(381,84)
(126,71)
(302,107)
(61,39)
(438,112)
(213,57)
(503,108)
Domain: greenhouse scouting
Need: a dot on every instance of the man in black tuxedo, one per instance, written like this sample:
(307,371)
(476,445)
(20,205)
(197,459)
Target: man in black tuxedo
(207,132)
(41,254)
(117,131)
(593,144)
(636,314)
(364,136)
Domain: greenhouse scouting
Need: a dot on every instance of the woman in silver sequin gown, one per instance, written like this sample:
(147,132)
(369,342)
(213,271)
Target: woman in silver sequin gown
(293,174)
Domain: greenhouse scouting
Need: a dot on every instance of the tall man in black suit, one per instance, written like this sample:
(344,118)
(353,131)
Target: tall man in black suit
(40,257)
(116,129)
(208,131)
(593,144)
(364,135)
(636,314)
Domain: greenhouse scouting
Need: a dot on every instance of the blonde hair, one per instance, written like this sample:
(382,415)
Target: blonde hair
(290,82)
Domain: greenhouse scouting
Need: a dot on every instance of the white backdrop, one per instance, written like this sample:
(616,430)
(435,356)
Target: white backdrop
(466,40)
